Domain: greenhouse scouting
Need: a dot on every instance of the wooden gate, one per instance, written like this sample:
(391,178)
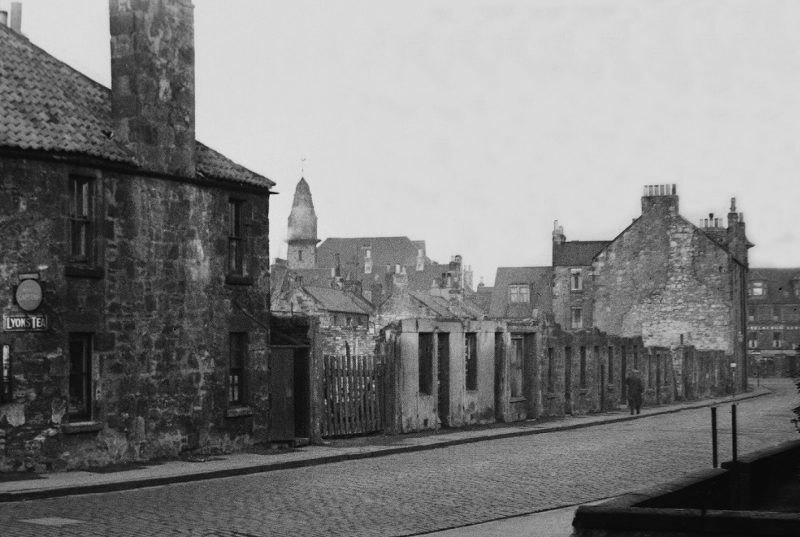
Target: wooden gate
(351,399)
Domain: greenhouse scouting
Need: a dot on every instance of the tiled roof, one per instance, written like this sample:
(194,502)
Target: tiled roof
(576,253)
(447,309)
(436,304)
(48,106)
(421,280)
(481,299)
(779,284)
(281,276)
(384,251)
(336,300)
(538,281)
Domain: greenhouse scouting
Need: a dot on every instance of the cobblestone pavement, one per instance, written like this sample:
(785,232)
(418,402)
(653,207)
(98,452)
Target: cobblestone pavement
(420,492)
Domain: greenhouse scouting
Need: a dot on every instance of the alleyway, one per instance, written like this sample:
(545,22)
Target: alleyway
(420,492)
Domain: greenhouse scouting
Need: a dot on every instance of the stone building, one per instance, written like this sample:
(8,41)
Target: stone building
(773,320)
(572,284)
(134,272)
(345,323)
(662,278)
(674,283)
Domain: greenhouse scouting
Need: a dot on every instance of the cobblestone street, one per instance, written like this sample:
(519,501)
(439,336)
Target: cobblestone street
(420,492)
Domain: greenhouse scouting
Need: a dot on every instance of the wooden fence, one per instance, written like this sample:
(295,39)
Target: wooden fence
(351,399)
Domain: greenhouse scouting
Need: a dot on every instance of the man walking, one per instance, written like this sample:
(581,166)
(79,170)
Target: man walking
(635,390)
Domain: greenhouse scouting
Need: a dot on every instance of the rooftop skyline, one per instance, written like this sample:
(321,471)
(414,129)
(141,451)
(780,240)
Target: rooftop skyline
(475,126)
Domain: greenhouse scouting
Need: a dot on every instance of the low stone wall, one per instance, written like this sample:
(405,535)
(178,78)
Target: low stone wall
(699,504)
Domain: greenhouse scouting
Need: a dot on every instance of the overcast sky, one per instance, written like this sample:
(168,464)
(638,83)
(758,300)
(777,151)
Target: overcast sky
(473,125)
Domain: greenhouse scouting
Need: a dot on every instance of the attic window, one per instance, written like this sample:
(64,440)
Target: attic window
(519,293)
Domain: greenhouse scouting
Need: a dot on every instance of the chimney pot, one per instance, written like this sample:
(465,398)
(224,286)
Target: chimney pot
(16,17)
(4,18)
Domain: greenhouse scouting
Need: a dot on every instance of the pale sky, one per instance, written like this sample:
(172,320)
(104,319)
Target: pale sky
(473,125)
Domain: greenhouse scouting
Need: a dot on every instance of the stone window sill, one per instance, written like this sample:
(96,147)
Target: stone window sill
(77,271)
(238,279)
(516,399)
(82,427)
(239,412)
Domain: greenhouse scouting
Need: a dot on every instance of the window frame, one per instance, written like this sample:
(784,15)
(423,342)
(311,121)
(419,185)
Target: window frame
(519,293)
(471,361)
(576,279)
(237,238)
(573,323)
(516,366)
(238,346)
(84,203)
(80,379)
(6,375)
(759,285)
(752,340)
(777,340)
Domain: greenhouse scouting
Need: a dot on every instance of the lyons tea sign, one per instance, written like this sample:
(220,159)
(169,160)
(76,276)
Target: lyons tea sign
(24,323)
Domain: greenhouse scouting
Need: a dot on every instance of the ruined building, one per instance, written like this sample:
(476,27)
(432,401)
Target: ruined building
(134,282)
(662,278)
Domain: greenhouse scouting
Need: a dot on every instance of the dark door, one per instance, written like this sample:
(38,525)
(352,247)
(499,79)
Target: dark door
(568,380)
(443,378)
(658,379)
(624,375)
(602,388)
(498,375)
(282,396)
(302,393)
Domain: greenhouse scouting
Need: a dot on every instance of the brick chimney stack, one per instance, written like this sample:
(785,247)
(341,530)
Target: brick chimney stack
(735,234)
(152,82)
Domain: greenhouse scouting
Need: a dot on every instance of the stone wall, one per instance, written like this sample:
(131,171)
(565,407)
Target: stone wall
(152,77)
(154,300)
(667,281)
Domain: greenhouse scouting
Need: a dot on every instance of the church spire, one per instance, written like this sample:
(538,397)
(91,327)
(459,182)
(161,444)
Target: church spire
(302,235)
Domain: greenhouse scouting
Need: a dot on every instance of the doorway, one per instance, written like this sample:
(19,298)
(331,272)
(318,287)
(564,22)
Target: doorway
(602,388)
(443,377)
(567,380)
(290,394)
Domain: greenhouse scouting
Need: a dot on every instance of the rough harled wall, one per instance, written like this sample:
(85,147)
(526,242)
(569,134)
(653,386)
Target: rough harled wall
(418,411)
(171,313)
(152,78)
(663,279)
(158,310)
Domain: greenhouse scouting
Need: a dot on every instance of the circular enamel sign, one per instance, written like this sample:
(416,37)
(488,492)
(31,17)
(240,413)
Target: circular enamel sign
(29,295)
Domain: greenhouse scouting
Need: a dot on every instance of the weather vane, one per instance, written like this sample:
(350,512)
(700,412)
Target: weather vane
(302,167)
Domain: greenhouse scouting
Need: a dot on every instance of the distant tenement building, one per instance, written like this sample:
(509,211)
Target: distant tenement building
(773,319)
